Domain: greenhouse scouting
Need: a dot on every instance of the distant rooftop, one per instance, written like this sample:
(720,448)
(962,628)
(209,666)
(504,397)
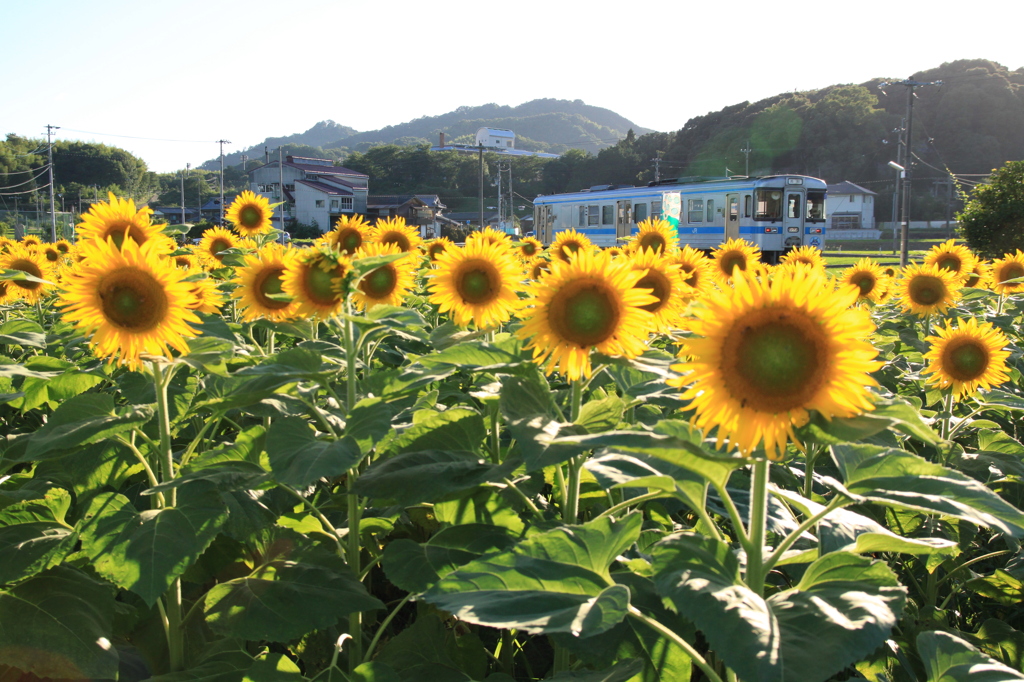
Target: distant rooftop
(847,187)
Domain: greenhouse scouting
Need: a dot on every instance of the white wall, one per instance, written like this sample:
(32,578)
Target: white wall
(862,204)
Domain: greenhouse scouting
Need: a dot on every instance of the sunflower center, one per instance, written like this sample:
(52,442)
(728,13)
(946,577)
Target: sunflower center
(926,290)
(25,265)
(52,255)
(950,262)
(567,250)
(379,283)
(774,362)
(972,279)
(733,260)
(865,281)
(350,241)
(63,248)
(529,248)
(652,240)
(398,239)
(660,288)
(585,314)
(250,217)
(965,361)
(1011,271)
(477,283)
(268,283)
(133,299)
(320,285)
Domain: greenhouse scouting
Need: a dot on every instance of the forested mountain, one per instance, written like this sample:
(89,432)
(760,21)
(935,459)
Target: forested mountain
(553,125)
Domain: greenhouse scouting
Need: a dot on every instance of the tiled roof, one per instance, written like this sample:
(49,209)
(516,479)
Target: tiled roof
(382,200)
(847,187)
(325,188)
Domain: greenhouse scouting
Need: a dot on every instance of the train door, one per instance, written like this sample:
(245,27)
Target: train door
(542,224)
(793,216)
(732,216)
(623,219)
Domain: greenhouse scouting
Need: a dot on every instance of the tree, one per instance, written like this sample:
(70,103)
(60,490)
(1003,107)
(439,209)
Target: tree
(992,222)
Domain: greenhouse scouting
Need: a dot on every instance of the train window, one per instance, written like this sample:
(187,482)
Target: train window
(655,210)
(639,212)
(583,217)
(711,210)
(592,215)
(695,211)
(793,206)
(816,206)
(746,205)
(769,204)
(607,215)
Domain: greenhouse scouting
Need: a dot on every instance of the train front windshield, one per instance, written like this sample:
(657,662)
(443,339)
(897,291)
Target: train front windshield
(769,204)
(815,206)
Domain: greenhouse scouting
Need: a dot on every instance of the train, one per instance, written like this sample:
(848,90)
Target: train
(777,212)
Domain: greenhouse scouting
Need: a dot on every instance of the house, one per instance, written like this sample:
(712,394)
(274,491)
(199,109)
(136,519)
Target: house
(315,192)
(851,207)
(473,218)
(172,215)
(211,209)
(421,210)
(495,138)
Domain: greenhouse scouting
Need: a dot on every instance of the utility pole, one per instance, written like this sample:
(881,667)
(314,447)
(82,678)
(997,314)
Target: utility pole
(49,152)
(899,174)
(905,220)
(280,180)
(481,186)
(657,168)
(245,159)
(222,143)
(183,193)
(746,152)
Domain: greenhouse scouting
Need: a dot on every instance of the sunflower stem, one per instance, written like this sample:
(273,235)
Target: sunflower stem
(355,620)
(350,359)
(172,598)
(384,626)
(570,512)
(671,635)
(496,435)
(758,522)
(947,413)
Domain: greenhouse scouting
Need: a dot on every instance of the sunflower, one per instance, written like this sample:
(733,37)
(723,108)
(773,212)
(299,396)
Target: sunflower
(349,233)
(1010,266)
(131,300)
(489,234)
(764,354)
(31,241)
(478,283)
(316,279)
(657,234)
(953,257)
(51,253)
(614,251)
(206,296)
(250,213)
(436,247)
(118,218)
(980,276)
(530,247)
(63,245)
(31,262)
(260,279)
(868,278)
(698,270)
(395,231)
(967,357)
(6,244)
(589,302)
(538,267)
(927,289)
(735,253)
(809,255)
(570,242)
(185,261)
(388,284)
(215,240)
(891,271)
(664,279)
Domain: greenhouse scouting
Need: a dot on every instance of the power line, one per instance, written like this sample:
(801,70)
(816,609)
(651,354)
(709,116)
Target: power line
(134,137)
(26,181)
(28,191)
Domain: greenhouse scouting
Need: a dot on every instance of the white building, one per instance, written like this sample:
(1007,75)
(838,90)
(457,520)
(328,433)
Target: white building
(495,138)
(316,191)
(850,207)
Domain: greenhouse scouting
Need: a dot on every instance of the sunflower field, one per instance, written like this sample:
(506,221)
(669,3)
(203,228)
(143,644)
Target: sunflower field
(375,459)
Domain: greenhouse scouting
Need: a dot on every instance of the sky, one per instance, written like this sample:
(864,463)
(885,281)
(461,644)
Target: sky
(165,80)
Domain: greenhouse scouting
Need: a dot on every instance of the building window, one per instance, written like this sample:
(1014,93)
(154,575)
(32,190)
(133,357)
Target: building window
(583,217)
(853,198)
(695,211)
(639,212)
(319,203)
(747,201)
(846,222)
(607,215)
(346,203)
(711,210)
(334,204)
(593,215)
